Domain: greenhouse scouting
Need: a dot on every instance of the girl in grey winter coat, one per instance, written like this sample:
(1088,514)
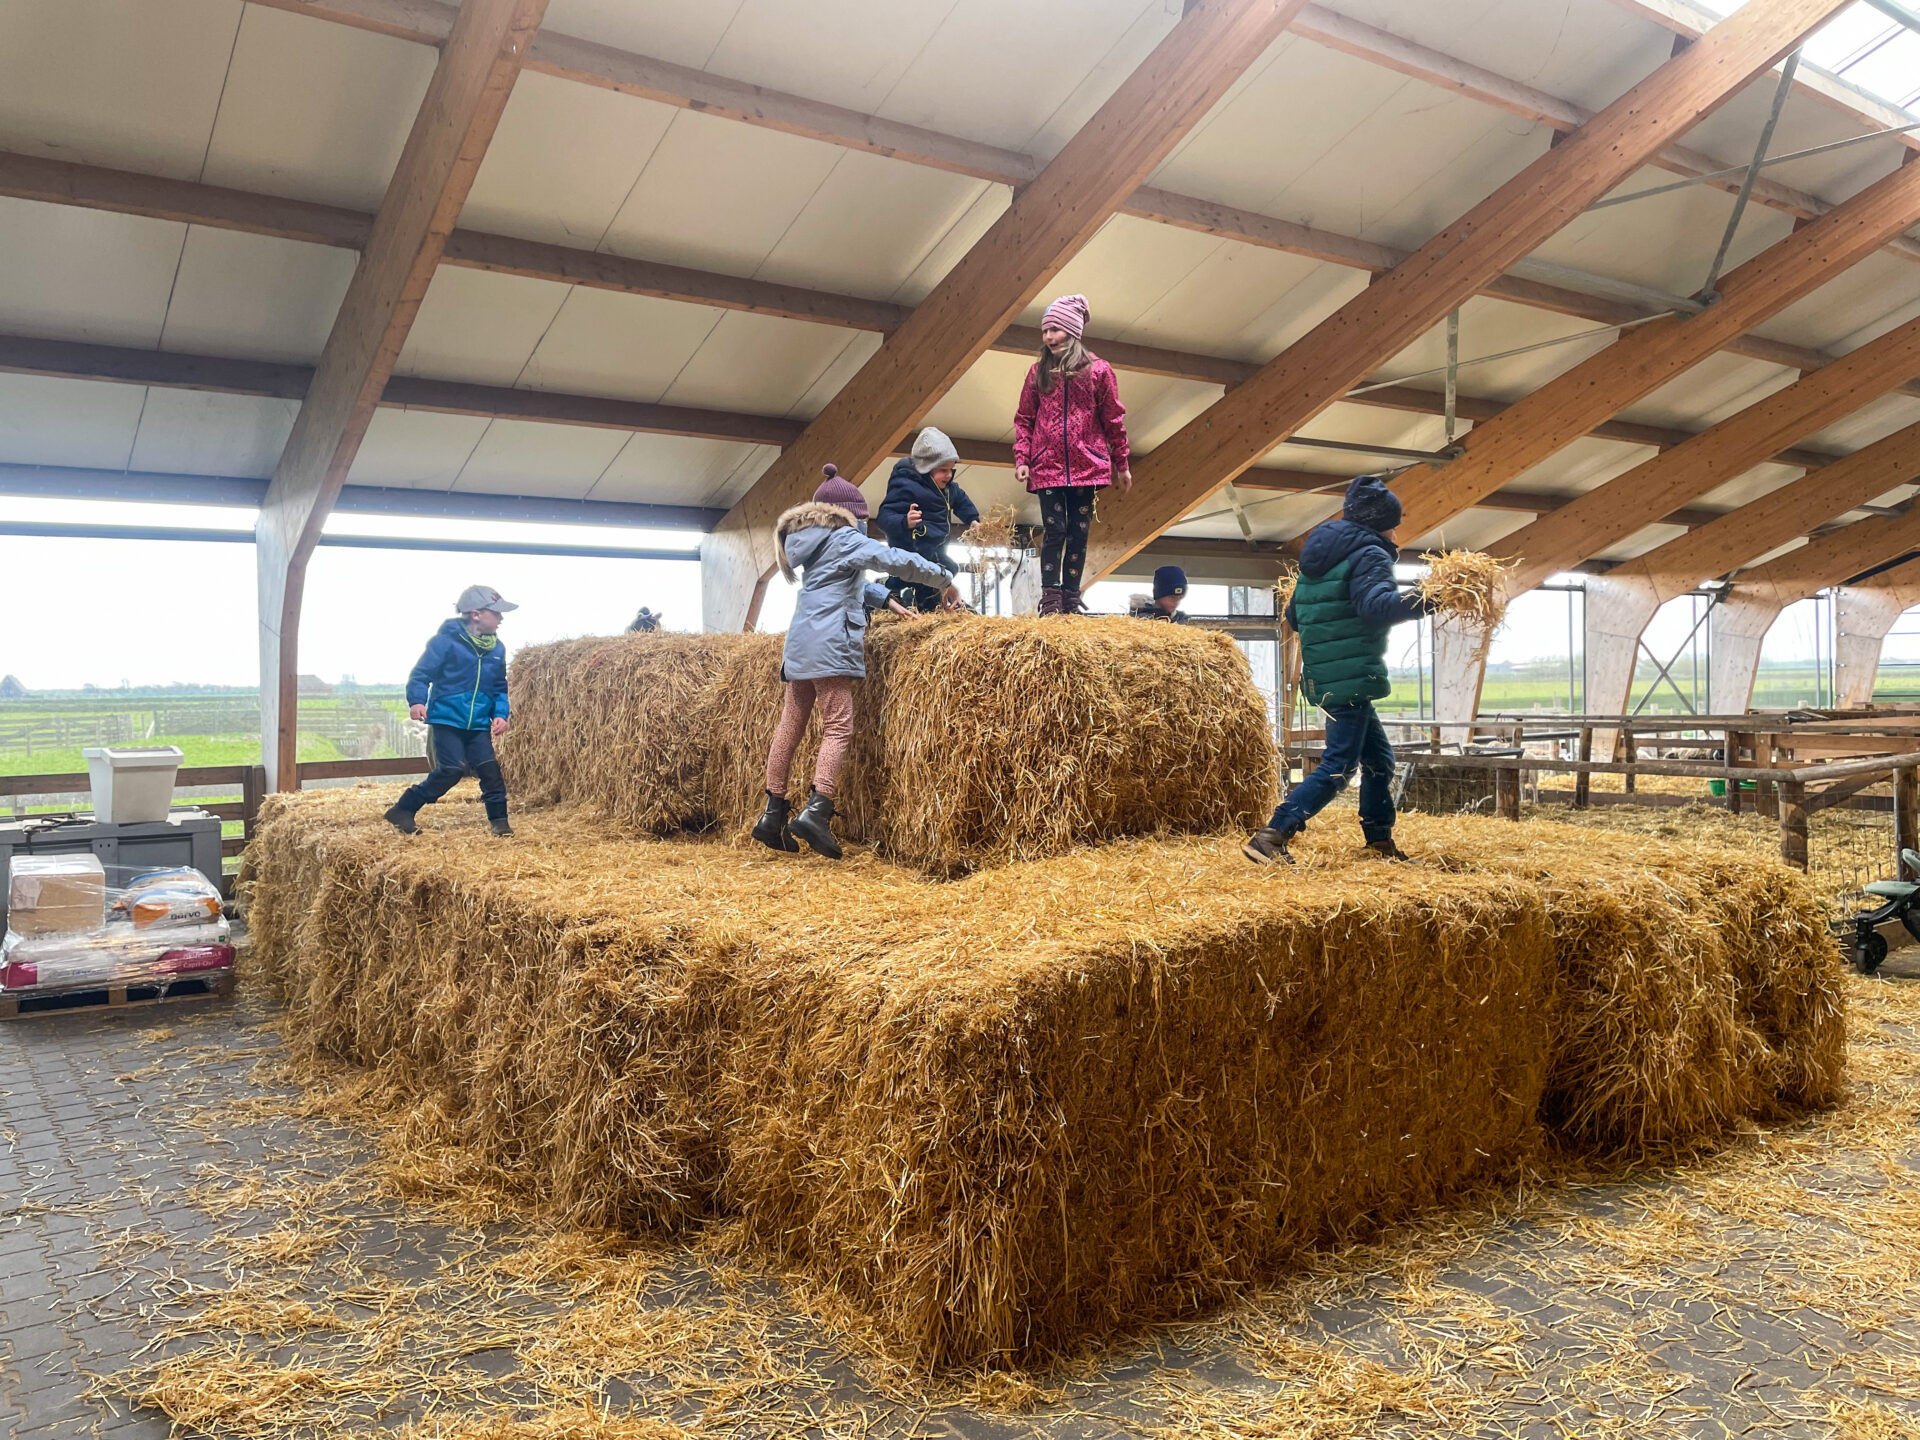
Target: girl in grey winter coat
(826,540)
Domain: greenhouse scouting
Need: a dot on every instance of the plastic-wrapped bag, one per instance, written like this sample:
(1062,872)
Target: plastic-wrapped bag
(118,953)
(159,898)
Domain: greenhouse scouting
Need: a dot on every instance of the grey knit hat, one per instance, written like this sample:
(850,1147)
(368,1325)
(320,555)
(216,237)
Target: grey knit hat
(931,450)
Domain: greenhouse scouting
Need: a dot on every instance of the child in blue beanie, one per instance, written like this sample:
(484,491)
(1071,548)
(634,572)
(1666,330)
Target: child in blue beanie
(1343,605)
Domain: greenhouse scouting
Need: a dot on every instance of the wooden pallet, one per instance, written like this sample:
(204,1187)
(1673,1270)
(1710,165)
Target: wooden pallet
(117,997)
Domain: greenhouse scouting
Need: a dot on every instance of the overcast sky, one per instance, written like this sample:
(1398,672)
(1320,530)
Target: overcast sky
(154,612)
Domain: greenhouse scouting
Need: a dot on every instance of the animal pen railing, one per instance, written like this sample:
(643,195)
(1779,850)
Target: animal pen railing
(1786,767)
(211,788)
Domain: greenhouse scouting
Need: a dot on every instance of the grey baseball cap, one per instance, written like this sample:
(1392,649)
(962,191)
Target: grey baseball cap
(482,597)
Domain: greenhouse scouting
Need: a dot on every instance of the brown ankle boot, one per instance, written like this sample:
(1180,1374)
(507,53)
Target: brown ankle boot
(1052,600)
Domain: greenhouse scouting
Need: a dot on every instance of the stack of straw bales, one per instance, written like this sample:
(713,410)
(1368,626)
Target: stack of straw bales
(980,741)
(1049,1099)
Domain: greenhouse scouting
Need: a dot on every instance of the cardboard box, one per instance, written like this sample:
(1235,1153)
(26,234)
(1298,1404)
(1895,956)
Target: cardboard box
(56,895)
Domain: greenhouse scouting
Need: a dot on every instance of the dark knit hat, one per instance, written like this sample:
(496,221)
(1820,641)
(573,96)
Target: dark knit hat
(1169,580)
(844,493)
(1370,503)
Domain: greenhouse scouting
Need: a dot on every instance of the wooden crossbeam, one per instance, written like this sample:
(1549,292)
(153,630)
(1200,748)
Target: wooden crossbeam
(478,65)
(1045,226)
(1642,360)
(1609,513)
(188,202)
(1400,305)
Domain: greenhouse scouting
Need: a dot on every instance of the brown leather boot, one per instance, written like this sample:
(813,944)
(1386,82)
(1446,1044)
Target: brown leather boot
(1052,600)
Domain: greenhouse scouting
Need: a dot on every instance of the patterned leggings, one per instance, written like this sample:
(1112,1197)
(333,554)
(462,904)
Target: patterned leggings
(1066,515)
(835,696)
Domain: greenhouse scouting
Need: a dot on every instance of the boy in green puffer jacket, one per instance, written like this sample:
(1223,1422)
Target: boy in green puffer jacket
(1343,605)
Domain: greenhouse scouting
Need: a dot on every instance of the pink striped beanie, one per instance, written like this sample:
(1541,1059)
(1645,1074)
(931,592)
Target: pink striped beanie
(1070,313)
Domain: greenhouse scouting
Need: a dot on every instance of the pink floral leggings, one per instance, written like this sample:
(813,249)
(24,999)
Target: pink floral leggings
(835,696)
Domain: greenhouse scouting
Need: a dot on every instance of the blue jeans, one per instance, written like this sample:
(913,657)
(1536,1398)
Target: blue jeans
(456,751)
(1355,737)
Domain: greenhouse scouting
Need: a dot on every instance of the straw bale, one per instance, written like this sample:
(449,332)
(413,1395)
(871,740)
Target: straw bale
(1133,1080)
(1053,1098)
(979,741)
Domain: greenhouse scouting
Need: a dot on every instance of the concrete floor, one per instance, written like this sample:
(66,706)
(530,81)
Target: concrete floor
(151,1167)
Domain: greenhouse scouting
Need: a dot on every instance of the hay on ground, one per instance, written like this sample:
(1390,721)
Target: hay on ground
(1047,1100)
(979,741)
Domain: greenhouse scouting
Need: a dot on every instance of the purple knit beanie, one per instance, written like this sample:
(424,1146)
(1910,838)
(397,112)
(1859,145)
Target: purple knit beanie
(1070,313)
(844,493)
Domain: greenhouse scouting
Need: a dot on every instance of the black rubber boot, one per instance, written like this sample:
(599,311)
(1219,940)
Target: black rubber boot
(1268,847)
(1387,850)
(500,826)
(771,828)
(815,825)
(402,820)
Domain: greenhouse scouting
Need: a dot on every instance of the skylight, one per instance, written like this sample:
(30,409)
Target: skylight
(1863,47)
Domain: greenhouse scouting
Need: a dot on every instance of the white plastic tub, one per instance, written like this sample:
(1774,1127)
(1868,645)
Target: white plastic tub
(132,783)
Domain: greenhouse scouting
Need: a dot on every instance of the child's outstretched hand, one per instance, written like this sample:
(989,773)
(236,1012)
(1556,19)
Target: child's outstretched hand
(901,610)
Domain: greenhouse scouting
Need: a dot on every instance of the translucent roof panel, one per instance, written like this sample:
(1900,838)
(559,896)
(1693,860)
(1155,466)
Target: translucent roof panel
(1863,47)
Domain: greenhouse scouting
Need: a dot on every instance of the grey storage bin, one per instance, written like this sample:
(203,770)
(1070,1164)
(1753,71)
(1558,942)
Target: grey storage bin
(186,837)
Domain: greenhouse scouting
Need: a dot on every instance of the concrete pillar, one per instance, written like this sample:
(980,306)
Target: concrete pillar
(1863,615)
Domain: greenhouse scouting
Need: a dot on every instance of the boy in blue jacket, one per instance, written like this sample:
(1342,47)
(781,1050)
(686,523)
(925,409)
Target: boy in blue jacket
(922,508)
(1343,605)
(459,687)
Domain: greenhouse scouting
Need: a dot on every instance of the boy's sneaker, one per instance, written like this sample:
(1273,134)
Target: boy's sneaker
(1267,847)
(501,827)
(402,820)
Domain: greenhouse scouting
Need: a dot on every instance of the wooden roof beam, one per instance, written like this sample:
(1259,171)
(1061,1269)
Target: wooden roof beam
(1643,359)
(1605,516)
(478,65)
(1050,219)
(1399,306)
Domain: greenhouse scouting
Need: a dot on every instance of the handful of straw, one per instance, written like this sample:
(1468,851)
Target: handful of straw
(1466,585)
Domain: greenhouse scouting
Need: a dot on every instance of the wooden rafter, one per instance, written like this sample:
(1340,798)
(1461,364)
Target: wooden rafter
(1049,220)
(1641,360)
(1400,305)
(478,65)
(1609,513)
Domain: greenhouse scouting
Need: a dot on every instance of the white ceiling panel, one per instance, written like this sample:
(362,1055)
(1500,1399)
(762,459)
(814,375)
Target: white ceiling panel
(1245,302)
(1873,421)
(254,297)
(563,161)
(680,470)
(1495,327)
(1156,406)
(1745,489)
(1474,530)
(1066,52)
(853,52)
(123,83)
(1649,537)
(1853,307)
(670,29)
(861,347)
(415,449)
(630,347)
(1582,466)
(759,364)
(194,432)
(67,422)
(85,274)
(981,404)
(526,457)
(478,326)
(718,195)
(959,239)
(1719,386)
(871,225)
(315,110)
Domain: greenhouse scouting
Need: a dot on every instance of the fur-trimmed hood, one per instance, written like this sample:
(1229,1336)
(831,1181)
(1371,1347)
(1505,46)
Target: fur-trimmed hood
(808,515)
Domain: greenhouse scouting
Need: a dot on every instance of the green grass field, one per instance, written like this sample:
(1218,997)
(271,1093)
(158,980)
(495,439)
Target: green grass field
(196,750)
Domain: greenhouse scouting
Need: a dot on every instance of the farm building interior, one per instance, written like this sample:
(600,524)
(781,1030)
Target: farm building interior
(971,1009)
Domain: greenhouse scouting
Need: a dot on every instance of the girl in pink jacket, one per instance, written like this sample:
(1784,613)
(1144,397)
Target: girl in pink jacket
(1069,443)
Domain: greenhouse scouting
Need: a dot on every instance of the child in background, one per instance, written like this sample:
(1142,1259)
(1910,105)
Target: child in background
(921,509)
(1070,442)
(459,687)
(825,539)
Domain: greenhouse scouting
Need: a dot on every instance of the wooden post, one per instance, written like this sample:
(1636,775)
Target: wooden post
(1506,785)
(1906,815)
(1583,782)
(1793,823)
(1630,752)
